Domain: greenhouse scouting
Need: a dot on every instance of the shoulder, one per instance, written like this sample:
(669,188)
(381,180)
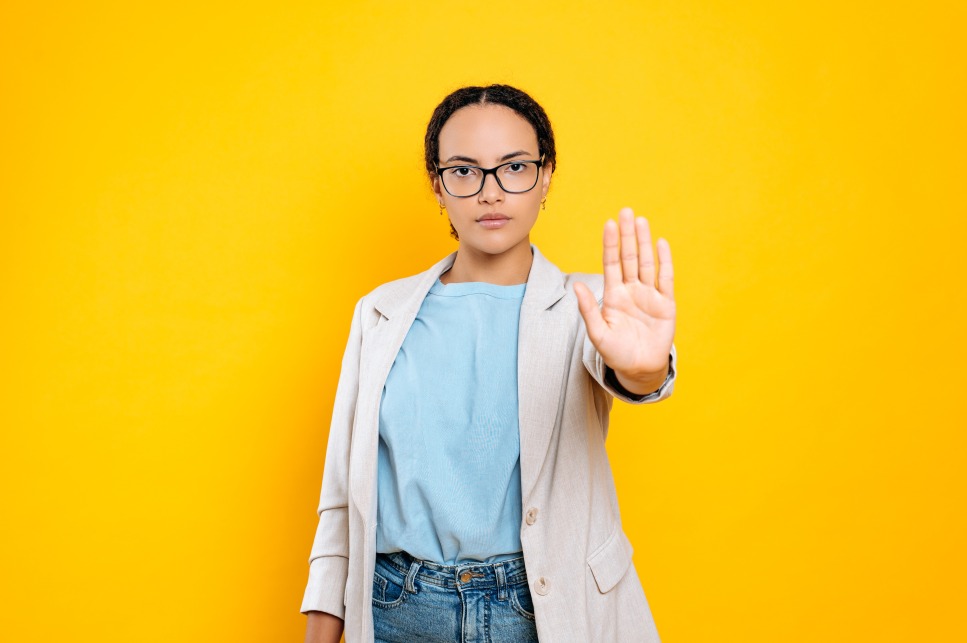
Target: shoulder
(592,280)
(548,286)
(399,286)
(406,293)
(547,275)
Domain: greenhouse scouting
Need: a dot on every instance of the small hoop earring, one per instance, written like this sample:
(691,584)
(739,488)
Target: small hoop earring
(544,204)
(441,209)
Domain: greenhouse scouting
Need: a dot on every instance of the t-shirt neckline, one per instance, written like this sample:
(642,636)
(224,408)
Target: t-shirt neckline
(463,288)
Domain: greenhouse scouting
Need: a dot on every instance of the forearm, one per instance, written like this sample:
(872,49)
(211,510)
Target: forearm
(322,627)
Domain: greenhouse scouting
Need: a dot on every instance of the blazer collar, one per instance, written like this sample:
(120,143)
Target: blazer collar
(545,283)
(406,295)
(545,287)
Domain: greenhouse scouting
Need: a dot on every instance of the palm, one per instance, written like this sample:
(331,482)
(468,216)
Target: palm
(634,327)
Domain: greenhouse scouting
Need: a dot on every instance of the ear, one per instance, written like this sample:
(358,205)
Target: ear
(437,189)
(548,170)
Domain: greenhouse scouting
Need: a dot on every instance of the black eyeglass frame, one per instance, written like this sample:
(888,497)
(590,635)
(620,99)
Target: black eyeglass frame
(486,171)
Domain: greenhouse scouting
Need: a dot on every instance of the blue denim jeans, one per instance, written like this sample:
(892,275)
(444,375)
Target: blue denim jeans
(415,600)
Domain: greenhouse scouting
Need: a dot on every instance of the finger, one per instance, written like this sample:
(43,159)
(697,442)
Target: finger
(591,313)
(646,258)
(629,249)
(612,265)
(666,274)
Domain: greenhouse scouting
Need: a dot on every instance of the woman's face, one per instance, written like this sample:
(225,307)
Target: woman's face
(492,221)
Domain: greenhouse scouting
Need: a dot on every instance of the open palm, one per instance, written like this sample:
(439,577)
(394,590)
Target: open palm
(634,327)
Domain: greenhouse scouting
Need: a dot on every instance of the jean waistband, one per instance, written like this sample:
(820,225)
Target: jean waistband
(476,575)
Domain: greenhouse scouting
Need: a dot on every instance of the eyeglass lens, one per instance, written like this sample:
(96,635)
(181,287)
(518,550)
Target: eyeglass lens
(467,180)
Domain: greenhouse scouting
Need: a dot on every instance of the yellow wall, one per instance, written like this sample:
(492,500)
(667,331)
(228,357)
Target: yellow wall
(193,195)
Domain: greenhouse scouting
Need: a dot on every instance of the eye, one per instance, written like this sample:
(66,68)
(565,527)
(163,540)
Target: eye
(517,167)
(462,172)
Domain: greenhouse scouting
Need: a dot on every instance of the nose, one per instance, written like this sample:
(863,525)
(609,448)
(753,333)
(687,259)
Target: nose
(491,192)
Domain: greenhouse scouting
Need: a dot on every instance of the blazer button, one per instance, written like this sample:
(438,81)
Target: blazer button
(541,586)
(531,516)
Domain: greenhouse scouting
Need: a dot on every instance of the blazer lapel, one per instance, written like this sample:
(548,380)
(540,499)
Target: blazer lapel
(542,354)
(397,303)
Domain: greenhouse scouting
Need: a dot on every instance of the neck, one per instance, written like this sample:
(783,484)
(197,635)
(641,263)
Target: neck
(506,269)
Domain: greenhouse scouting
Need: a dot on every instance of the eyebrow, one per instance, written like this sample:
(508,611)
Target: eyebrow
(505,157)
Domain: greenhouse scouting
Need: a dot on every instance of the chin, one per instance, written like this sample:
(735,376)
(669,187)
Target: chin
(491,246)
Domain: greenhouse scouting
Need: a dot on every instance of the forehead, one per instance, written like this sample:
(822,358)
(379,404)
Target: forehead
(486,133)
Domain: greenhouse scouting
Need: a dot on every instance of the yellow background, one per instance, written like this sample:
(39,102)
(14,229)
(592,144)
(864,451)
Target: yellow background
(193,196)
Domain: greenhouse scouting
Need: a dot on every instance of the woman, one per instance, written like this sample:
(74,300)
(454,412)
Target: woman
(467,493)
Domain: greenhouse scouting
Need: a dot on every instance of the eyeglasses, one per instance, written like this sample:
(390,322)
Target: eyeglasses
(513,177)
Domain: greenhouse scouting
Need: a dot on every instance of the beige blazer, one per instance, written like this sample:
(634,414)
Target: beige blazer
(578,559)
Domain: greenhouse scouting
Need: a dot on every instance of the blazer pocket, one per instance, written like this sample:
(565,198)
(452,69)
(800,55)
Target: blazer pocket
(610,561)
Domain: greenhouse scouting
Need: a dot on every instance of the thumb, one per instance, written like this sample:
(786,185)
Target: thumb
(590,311)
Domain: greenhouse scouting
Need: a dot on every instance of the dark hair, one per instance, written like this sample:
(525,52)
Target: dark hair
(505,95)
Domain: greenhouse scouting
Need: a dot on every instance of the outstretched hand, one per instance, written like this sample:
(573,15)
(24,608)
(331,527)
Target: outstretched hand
(634,327)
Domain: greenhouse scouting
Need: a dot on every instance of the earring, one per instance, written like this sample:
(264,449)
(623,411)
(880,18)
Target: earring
(441,209)
(544,204)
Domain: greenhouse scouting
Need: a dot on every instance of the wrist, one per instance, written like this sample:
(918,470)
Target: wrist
(642,383)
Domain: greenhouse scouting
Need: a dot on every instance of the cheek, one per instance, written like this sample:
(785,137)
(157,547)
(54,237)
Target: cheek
(533,202)
(460,209)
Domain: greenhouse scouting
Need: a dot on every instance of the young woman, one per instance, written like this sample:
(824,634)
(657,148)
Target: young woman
(467,494)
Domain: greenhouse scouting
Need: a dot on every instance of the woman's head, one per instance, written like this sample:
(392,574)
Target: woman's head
(505,95)
(487,127)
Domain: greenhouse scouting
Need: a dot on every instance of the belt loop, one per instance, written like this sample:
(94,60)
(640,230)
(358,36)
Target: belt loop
(501,582)
(411,576)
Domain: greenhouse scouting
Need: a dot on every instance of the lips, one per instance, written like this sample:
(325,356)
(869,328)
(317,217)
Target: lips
(494,216)
(493,221)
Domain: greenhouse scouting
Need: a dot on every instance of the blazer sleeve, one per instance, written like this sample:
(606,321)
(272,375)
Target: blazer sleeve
(329,559)
(604,375)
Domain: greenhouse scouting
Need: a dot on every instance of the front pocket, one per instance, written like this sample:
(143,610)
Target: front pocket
(611,560)
(387,592)
(521,601)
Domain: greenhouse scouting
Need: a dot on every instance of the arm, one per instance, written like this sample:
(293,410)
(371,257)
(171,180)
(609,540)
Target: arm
(329,559)
(323,628)
(633,329)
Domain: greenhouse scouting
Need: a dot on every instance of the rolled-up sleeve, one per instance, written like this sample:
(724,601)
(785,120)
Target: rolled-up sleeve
(329,558)
(616,389)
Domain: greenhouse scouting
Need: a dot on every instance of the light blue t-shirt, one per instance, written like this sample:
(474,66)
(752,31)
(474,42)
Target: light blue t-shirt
(449,439)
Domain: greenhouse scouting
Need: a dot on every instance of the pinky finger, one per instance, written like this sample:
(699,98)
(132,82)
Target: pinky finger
(666,274)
